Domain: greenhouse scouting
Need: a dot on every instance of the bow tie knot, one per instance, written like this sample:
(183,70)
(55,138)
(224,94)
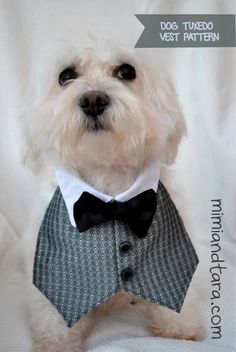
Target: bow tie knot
(137,212)
(114,207)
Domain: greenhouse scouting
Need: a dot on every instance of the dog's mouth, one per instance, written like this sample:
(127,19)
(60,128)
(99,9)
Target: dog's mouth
(96,125)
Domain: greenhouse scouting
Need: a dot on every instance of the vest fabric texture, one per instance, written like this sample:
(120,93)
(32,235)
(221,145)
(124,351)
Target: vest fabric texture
(79,271)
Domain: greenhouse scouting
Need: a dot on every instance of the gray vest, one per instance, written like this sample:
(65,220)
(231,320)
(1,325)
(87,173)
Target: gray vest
(79,271)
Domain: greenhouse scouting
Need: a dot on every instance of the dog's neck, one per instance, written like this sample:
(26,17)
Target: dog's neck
(111,180)
(115,177)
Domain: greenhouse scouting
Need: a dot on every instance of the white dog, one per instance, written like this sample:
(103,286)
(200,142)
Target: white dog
(102,115)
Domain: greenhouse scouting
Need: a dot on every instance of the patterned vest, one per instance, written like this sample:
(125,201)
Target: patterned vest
(79,271)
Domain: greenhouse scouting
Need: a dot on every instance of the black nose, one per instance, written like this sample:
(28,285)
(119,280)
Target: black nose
(93,103)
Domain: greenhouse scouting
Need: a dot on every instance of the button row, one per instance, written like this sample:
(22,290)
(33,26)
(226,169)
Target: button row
(125,248)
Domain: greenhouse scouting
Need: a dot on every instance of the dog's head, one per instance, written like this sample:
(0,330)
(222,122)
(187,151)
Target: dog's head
(102,108)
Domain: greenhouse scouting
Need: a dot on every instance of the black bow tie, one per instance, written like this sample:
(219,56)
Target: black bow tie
(137,212)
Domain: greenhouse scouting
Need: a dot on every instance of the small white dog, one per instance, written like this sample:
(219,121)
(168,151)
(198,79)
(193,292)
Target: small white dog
(101,115)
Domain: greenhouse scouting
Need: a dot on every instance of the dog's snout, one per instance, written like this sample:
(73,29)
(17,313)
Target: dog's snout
(93,103)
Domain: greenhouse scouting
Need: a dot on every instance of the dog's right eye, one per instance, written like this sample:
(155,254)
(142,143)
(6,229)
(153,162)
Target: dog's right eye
(68,75)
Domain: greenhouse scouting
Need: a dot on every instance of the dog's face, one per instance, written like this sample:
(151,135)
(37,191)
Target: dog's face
(105,109)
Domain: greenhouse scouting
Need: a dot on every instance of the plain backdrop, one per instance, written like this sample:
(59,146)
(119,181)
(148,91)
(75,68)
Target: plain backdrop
(204,170)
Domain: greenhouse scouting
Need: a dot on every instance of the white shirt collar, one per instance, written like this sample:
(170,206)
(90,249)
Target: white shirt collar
(72,187)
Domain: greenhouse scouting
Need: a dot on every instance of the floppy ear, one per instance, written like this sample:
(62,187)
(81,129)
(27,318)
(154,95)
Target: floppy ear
(31,154)
(32,159)
(40,81)
(168,113)
(177,131)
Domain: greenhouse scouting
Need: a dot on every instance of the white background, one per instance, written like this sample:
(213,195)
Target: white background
(204,170)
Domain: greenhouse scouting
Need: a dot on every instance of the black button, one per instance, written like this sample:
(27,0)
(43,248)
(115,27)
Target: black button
(127,274)
(125,247)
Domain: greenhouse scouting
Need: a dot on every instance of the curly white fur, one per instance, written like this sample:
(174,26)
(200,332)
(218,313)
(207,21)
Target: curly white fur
(144,118)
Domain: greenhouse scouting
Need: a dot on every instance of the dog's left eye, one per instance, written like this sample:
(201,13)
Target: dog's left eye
(125,72)
(67,75)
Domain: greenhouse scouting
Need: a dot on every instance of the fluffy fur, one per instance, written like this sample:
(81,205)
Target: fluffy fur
(142,121)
